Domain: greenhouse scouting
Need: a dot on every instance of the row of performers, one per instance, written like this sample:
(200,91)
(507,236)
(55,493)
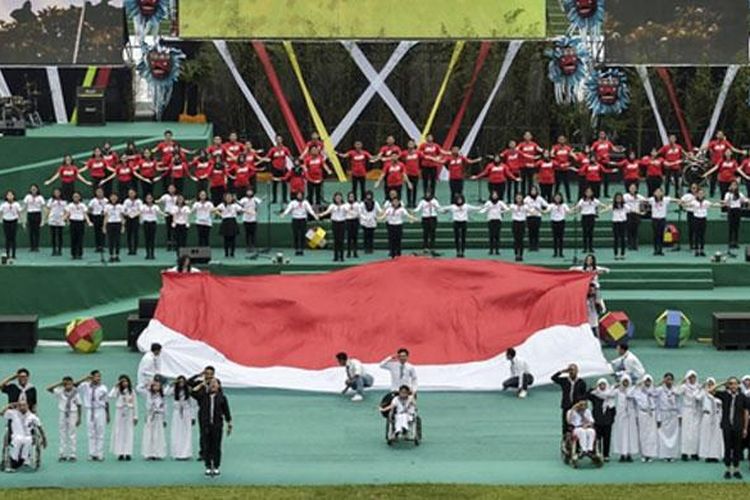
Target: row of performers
(234,166)
(111,217)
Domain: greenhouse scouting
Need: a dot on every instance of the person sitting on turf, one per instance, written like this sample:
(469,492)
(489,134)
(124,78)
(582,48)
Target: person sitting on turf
(404,408)
(402,372)
(356,377)
(22,390)
(520,376)
(22,424)
(627,364)
(582,422)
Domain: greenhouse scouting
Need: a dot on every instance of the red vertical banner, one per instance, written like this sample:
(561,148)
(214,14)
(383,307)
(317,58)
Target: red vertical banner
(667,79)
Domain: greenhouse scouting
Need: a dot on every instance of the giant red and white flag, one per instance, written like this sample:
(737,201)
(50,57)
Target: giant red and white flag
(457,317)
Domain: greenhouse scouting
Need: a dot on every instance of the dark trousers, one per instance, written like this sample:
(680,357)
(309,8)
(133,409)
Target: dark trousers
(204,235)
(604,436)
(519,228)
(361,183)
(57,239)
(672,177)
(10,228)
(618,233)
(512,191)
(33,223)
(395,233)
(494,227)
(217,194)
(457,187)
(732,447)
(113,238)
(250,230)
(498,187)
(523,384)
(276,184)
(658,226)
(699,229)
(411,192)
(634,222)
(733,218)
(558,235)
(533,223)
(315,193)
(588,222)
(429,178)
(77,230)
(339,231)
(146,188)
(546,191)
(387,190)
(712,183)
(211,445)
(691,229)
(459,237)
(180,237)
(352,237)
(429,228)
(230,244)
(149,232)
(170,232)
(596,187)
(132,230)
(98,222)
(562,179)
(527,179)
(653,182)
(123,188)
(369,239)
(723,188)
(582,184)
(66,190)
(299,226)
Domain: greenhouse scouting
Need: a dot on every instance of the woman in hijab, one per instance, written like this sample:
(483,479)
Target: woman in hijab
(711,441)
(625,428)
(602,399)
(691,410)
(645,401)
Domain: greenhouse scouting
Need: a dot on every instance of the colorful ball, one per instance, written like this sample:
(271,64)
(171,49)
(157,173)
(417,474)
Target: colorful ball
(672,329)
(615,327)
(671,235)
(84,335)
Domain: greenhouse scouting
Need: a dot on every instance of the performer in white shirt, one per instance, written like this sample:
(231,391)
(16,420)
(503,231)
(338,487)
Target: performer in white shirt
(686,201)
(33,205)
(558,212)
(94,396)
(668,419)
(402,372)
(519,213)
(357,379)
(338,211)
(55,210)
(96,214)
(588,206)
(10,212)
(633,202)
(250,204)
(460,214)
(168,201)
(229,210)
(494,208)
(126,417)
(520,376)
(368,219)
(428,207)
(352,225)
(300,208)
(69,407)
(22,425)
(394,216)
(204,212)
(627,364)
(131,208)
(112,226)
(582,421)
(76,213)
(699,211)
(691,411)
(535,206)
(734,201)
(659,206)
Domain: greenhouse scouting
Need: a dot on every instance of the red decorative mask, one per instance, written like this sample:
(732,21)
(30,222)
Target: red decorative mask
(160,63)
(608,90)
(148,7)
(568,62)
(586,8)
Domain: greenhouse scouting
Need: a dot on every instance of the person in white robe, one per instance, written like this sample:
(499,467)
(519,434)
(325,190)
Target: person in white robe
(711,442)
(668,419)
(625,429)
(154,445)
(404,408)
(645,401)
(581,420)
(183,420)
(126,418)
(691,410)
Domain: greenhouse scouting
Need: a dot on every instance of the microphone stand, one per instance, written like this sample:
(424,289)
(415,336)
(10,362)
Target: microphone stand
(267,249)
(575,239)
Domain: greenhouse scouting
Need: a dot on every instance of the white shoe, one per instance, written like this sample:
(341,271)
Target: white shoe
(209,472)
(216,472)
(522,394)
(357,397)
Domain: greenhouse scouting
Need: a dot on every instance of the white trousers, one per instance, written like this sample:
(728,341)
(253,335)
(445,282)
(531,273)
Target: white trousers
(20,448)
(403,421)
(68,433)
(586,438)
(96,422)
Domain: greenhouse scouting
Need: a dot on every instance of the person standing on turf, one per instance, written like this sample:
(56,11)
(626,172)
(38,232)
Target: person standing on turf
(573,390)
(668,419)
(402,372)
(520,376)
(22,390)
(734,424)
(213,410)
(95,398)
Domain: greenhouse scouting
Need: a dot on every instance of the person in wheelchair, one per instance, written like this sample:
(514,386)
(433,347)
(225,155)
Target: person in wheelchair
(581,425)
(25,433)
(402,411)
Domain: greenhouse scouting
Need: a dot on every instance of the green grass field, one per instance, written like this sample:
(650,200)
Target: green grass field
(585,492)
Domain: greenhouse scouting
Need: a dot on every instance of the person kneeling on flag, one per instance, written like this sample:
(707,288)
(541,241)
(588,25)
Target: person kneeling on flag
(356,377)
(582,422)
(520,377)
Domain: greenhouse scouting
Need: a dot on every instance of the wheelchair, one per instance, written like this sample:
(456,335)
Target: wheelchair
(35,457)
(572,454)
(414,434)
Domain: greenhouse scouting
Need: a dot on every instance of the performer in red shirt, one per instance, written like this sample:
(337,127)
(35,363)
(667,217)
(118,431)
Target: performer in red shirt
(745,168)
(148,171)
(717,148)
(297,179)
(176,170)
(280,157)
(97,168)
(126,175)
(390,148)
(109,155)
(394,174)
(315,163)
(244,172)
(68,173)
(456,163)
(530,152)
(728,170)
(358,160)
(497,174)
(583,160)
(546,175)
(594,173)
(412,159)
(200,168)
(314,141)
(515,161)
(430,168)
(603,149)
(631,171)
(673,155)
(233,148)
(217,181)
(562,156)
(654,171)
(166,148)
(216,148)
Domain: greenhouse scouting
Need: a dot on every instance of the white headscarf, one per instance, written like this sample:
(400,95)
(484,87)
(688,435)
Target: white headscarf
(605,394)
(689,374)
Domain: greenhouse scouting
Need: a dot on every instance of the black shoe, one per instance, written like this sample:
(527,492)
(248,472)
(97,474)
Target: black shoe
(684,457)
(727,475)
(737,475)
(695,457)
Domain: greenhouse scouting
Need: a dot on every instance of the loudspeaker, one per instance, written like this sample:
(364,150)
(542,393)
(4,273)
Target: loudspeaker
(146,308)
(91,105)
(136,326)
(731,330)
(18,333)
(198,255)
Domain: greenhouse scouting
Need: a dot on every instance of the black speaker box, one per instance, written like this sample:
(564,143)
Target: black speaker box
(731,330)
(18,333)
(146,308)
(198,255)
(91,106)
(136,326)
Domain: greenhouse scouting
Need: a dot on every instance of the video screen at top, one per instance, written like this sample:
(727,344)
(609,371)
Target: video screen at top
(676,32)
